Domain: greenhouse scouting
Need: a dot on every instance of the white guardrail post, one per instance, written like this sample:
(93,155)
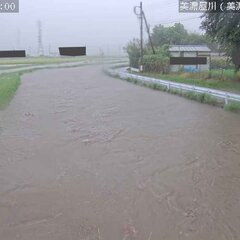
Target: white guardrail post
(226,99)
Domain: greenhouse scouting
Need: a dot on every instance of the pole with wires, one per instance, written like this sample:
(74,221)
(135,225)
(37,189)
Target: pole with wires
(149,34)
(138,10)
(141,36)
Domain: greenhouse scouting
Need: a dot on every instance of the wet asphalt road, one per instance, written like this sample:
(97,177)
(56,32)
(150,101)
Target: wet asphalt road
(84,156)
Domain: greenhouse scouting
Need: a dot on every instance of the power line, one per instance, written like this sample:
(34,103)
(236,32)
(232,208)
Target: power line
(180,20)
(170,6)
(166,5)
(142,17)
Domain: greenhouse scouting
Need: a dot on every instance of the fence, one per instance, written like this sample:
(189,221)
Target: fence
(226,96)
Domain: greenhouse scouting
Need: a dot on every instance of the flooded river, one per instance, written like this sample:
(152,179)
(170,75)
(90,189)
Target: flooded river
(84,156)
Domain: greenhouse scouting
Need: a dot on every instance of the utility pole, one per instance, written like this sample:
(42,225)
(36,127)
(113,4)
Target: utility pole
(141,16)
(149,34)
(141,36)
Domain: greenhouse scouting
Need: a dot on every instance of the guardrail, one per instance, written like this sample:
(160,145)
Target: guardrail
(226,96)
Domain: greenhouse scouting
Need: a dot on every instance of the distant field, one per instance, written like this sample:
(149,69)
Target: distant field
(9,67)
(9,63)
(42,60)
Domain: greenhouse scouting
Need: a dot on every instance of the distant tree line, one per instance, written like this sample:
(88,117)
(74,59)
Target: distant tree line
(177,35)
(224,29)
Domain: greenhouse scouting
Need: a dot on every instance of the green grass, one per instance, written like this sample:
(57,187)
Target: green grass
(224,75)
(7,67)
(233,107)
(227,83)
(8,85)
(41,60)
(50,60)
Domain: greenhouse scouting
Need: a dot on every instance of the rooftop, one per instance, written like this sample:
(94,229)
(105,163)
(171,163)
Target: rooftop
(189,48)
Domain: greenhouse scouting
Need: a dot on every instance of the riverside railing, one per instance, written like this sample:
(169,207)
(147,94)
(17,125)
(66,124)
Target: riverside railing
(226,96)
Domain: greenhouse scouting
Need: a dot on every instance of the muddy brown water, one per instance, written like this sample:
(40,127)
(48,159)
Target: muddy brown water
(84,156)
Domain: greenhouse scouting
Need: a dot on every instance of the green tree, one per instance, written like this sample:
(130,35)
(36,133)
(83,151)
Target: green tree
(224,29)
(160,50)
(195,38)
(134,52)
(177,34)
(168,35)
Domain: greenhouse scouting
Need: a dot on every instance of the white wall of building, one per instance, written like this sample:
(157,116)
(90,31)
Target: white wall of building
(201,68)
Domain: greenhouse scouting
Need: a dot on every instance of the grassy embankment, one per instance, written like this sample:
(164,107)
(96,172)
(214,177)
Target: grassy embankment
(7,62)
(225,80)
(40,60)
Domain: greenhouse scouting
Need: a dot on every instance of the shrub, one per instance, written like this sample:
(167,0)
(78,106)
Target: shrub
(156,63)
(211,100)
(237,76)
(134,53)
(8,86)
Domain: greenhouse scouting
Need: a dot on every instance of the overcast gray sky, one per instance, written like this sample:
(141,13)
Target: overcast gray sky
(106,24)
